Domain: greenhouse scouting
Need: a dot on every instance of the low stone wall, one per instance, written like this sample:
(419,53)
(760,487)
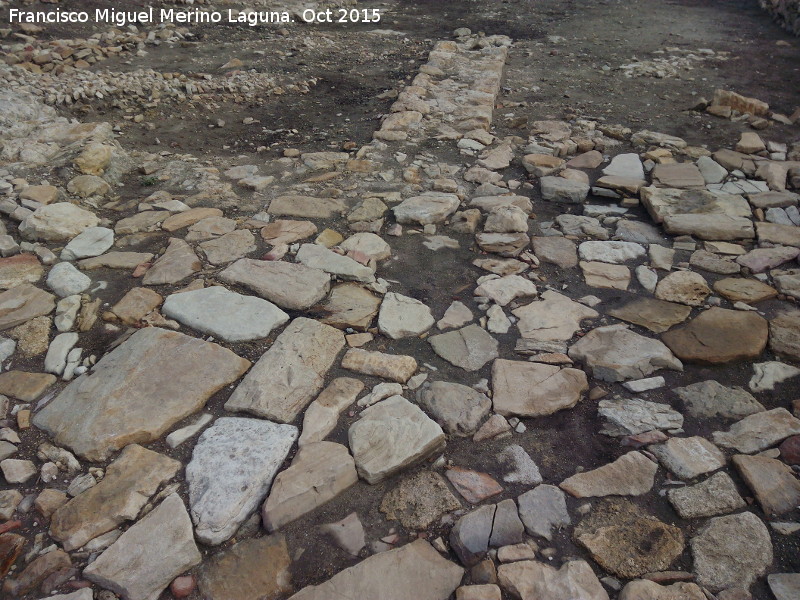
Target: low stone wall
(786,12)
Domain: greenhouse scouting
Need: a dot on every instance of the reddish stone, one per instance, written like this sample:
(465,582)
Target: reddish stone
(36,572)
(644,439)
(141,269)
(790,450)
(182,586)
(9,525)
(11,546)
(472,485)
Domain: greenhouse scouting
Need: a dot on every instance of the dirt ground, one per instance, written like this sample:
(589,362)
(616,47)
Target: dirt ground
(565,63)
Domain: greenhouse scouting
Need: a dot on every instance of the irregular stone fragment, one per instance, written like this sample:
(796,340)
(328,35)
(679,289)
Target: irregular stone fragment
(555,318)
(286,232)
(395,367)
(176,264)
(558,189)
(689,457)
(507,529)
(231,470)
(115,260)
(768,374)
(433,207)
(535,389)
(136,304)
(532,579)
(644,589)
(19,269)
(22,303)
(683,287)
(758,431)
(160,547)
(731,551)
(59,222)
(629,545)
(36,572)
(224,314)
(142,222)
(401,316)
(392,575)
(708,399)
(760,260)
(391,436)
(784,586)
(469,537)
(253,569)
(318,257)
(544,509)
(632,474)
(715,496)
(505,289)
(632,416)
(17,470)
(25,386)
(604,275)
(11,546)
(229,247)
(322,415)
(719,335)
(656,315)
(774,483)
(611,252)
(504,244)
(615,353)
(189,217)
(750,291)
(459,409)
(350,306)
(456,315)
(473,486)
(319,472)
(138,391)
(419,501)
(784,333)
(348,534)
(65,280)
(128,483)
(780,235)
(288,375)
(520,466)
(289,285)
(469,348)
(369,244)
(91,242)
(557,250)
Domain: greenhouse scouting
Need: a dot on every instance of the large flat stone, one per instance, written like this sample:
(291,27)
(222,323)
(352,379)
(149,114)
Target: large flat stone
(784,586)
(759,431)
(615,353)
(288,375)
(419,500)
(664,202)
(555,318)
(319,472)
(344,267)
(395,367)
(458,408)
(543,509)
(349,306)
(231,470)
(391,436)
(433,207)
(689,457)
(289,285)
(176,264)
(706,399)
(149,555)
(632,474)
(415,570)
(656,315)
(532,580)
(307,207)
(22,268)
(719,335)
(715,496)
(126,487)
(774,483)
(401,317)
(138,391)
(632,416)
(322,414)
(469,348)
(23,303)
(254,569)
(225,314)
(535,389)
(59,222)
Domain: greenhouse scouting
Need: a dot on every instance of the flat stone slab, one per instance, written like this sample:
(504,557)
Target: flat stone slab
(395,367)
(25,386)
(503,290)
(391,436)
(459,409)
(225,314)
(716,495)
(307,207)
(615,353)
(656,315)
(665,202)
(230,473)
(322,414)
(611,252)
(401,317)
(22,303)
(161,546)
(319,472)
(689,457)
(773,482)
(750,291)
(543,509)
(90,242)
(632,474)
(731,551)
(59,222)
(719,335)
(126,487)
(415,570)
(289,285)
(176,264)
(469,348)
(758,431)
(419,500)
(22,268)
(557,250)
(706,399)
(784,586)
(533,579)
(535,389)
(344,267)
(253,569)
(555,318)
(288,375)
(349,305)
(632,416)
(433,207)
(138,391)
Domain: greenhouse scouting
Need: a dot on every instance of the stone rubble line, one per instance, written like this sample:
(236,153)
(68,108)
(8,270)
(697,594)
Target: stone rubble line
(157,377)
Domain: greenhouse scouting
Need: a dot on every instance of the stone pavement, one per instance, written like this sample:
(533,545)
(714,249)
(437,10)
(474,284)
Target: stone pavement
(173,433)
